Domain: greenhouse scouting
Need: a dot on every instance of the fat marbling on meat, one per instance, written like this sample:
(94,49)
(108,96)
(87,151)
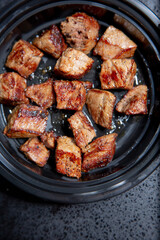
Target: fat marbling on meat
(118,73)
(12,89)
(51,41)
(68,157)
(134,101)
(99,152)
(24,58)
(70,95)
(35,151)
(114,44)
(42,94)
(73,64)
(100,105)
(82,129)
(26,121)
(81,31)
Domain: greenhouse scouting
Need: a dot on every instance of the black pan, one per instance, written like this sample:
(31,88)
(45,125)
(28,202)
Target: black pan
(138,136)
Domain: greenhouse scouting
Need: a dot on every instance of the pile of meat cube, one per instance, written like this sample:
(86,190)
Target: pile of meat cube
(77,37)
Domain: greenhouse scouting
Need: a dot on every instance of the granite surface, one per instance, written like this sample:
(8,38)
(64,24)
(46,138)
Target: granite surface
(134,214)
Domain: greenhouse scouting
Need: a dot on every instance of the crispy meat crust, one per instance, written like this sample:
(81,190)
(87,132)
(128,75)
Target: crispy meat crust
(99,153)
(118,73)
(100,105)
(26,121)
(24,58)
(82,129)
(35,151)
(12,89)
(134,101)
(114,44)
(51,41)
(81,31)
(73,64)
(68,157)
(70,95)
(42,94)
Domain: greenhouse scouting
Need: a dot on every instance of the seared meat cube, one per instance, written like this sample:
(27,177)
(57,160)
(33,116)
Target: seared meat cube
(134,101)
(24,58)
(118,73)
(35,151)
(48,139)
(42,94)
(100,105)
(81,31)
(12,87)
(114,44)
(26,121)
(68,157)
(73,64)
(82,129)
(99,153)
(51,41)
(70,95)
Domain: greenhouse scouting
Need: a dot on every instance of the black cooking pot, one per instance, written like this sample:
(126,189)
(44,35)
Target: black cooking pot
(138,136)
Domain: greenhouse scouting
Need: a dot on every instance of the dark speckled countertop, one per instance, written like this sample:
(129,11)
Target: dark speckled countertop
(133,215)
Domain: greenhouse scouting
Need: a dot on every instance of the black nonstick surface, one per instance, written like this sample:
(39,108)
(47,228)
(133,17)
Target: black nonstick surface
(138,136)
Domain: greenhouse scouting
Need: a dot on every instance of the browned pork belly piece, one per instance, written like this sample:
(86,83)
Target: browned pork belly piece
(12,89)
(26,121)
(99,153)
(24,58)
(134,101)
(51,41)
(81,31)
(82,129)
(68,157)
(73,64)
(42,94)
(114,44)
(70,95)
(118,73)
(48,139)
(100,105)
(35,151)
